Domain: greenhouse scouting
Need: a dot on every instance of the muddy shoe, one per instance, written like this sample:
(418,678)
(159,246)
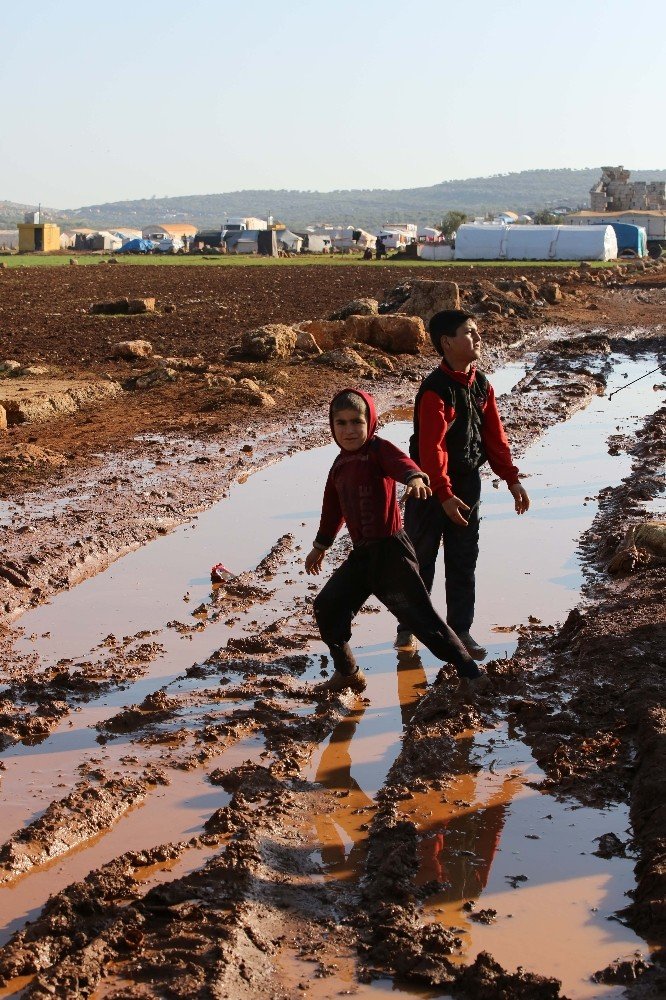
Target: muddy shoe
(342,682)
(473,686)
(476,651)
(405,642)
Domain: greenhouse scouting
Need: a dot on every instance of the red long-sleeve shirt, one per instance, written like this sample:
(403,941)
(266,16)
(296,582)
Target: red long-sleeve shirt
(435,418)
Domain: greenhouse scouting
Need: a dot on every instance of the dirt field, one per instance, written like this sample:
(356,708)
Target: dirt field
(184,814)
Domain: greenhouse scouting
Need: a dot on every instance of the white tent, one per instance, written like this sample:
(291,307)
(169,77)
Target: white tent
(291,241)
(103,240)
(318,243)
(354,239)
(435,251)
(535,243)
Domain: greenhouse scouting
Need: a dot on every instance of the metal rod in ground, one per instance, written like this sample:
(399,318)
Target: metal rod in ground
(659,368)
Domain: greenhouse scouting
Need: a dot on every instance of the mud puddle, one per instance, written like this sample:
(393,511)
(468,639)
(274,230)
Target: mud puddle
(528,567)
(171,813)
(522,879)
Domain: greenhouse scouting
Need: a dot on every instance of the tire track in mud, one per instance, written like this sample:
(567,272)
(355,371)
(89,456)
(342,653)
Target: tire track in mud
(258,877)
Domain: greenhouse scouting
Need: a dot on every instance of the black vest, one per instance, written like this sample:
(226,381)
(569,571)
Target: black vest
(463,438)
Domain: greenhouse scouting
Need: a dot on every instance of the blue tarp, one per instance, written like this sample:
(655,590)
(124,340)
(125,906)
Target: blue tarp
(629,237)
(138,246)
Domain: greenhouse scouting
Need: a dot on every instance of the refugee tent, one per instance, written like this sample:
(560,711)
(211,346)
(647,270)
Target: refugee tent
(81,241)
(103,241)
(125,235)
(263,241)
(9,239)
(67,241)
(354,239)
(209,237)
(629,238)
(498,242)
(137,246)
(267,242)
(289,241)
(435,251)
(393,238)
(170,245)
(428,233)
(317,243)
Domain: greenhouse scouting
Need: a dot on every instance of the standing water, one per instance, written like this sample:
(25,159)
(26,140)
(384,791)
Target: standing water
(497,842)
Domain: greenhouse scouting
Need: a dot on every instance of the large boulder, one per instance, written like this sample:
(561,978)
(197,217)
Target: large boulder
(123,307)
(345,359)
(135,306)
(551,292)
(357,307)
(10,367)
(246,396)
(155,377)
(326,333)
(275,340)
(429,297)
(132,349)
(3,419)
(306,343)
(390,333)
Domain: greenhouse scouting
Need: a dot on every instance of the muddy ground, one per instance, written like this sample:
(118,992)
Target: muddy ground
(241,907)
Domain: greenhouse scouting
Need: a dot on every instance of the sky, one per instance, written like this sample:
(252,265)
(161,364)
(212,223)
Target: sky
(135,98)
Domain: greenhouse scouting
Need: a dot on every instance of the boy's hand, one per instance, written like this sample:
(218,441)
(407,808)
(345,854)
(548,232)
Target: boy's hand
(453,508)
(416,487)
(313,561)
(522,500)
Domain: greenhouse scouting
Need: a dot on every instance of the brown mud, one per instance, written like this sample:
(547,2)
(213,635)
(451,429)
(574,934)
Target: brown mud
(171,825)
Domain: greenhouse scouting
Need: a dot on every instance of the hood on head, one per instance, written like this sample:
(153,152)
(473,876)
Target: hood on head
(371,414)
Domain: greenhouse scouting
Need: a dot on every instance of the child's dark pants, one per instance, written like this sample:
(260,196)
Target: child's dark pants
(428,526)
(389,569)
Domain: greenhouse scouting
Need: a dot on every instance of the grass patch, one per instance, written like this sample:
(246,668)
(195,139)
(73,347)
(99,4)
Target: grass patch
(246,260)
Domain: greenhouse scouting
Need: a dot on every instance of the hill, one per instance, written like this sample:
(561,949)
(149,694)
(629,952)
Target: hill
(525,191)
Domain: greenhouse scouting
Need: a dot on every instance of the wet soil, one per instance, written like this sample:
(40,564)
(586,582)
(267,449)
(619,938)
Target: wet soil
(177,839)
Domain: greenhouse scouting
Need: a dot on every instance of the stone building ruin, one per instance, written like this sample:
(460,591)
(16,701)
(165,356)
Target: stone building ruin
(615,193)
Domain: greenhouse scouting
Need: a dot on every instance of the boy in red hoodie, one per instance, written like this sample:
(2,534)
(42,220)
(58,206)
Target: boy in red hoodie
(361,492)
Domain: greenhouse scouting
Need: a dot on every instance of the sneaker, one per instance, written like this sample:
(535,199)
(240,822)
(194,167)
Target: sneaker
(476,651)
(342,682)
(405,642)
(476,685)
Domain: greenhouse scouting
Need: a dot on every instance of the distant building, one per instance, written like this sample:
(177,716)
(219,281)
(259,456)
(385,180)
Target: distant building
(237,223)
(506,218)
(615,193)
(653,221)
(398,234)
(37,236)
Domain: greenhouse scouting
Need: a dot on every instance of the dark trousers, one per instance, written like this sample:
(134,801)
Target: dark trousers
(388,569)
(428,527)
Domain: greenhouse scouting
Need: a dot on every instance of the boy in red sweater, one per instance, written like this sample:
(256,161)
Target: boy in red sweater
(360,491)
(457,428)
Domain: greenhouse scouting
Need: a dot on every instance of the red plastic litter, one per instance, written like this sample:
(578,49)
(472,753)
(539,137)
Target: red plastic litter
(219,573)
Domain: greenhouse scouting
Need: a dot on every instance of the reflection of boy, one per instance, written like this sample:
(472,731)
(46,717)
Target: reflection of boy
(457,428)
(360,491)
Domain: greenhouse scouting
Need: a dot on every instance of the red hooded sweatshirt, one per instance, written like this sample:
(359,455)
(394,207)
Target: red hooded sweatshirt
(360,489)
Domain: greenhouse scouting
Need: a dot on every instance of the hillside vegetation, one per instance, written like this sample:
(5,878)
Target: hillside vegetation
(526,191)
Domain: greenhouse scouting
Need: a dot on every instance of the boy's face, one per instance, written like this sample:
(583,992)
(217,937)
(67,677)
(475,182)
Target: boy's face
(350,428)
(463,348)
